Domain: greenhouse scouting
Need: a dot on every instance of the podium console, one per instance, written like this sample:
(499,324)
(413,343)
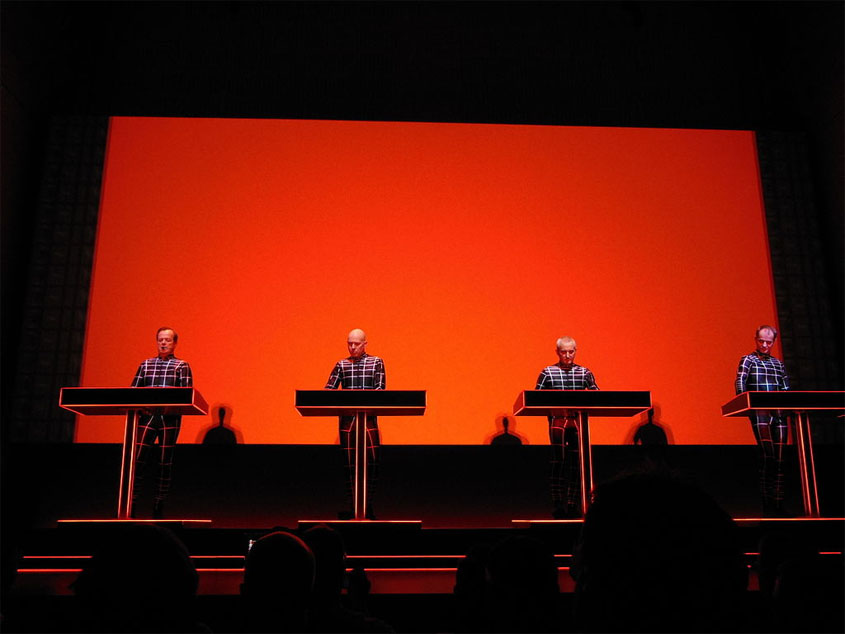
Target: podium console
(581,404)
(798,403)
(131,401)
(360,404)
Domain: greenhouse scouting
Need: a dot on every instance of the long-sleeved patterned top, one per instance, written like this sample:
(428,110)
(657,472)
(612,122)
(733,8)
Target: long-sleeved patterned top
(364,373)
(169,372)
(761,373)
(556,377)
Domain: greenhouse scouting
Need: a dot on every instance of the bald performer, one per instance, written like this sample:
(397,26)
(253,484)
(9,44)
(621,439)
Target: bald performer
(359,371)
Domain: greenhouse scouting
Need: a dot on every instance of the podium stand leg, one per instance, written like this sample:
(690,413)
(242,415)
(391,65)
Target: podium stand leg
(586,466)
(127,466)
(804,444)
(359,492)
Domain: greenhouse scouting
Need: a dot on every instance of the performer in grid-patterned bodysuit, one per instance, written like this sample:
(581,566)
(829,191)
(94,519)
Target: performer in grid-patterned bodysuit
(165,370)
(565,476)
(359,371)
(761,372)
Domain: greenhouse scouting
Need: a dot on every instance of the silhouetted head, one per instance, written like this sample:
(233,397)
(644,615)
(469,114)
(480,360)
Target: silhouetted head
(277,585)
(278,565)
(656,553)
(133,568)
(330,560)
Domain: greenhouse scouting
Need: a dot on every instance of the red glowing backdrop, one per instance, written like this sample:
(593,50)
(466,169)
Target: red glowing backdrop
(464,251)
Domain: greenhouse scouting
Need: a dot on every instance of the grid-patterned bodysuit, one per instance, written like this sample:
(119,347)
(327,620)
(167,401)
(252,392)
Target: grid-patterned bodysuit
(564,476)
(764,373)
(157,372)
(364,373)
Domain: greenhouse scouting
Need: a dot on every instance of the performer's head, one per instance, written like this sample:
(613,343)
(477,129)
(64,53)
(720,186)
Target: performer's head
(565,349)
(356,341)
(765,339)
(166,339)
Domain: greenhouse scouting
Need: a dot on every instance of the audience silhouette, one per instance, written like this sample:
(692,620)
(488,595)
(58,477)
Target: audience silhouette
(327,612)
(140,578)
(469,590)
(802,590)
(510,586)
(278,583)
(657,554)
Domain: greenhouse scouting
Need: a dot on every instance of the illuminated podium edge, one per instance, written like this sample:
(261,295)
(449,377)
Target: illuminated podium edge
(742,405)
(360,404)
(351,402)
(191,404)
(83,401)
(631,402)
(793,400)
(628,403)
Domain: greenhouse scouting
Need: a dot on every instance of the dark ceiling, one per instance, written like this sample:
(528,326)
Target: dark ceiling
(668,64)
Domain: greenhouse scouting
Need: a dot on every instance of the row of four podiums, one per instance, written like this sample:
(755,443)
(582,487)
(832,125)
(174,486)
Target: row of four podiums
(580,404)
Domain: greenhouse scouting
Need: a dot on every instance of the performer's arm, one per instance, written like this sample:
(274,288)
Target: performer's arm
(591,381)
(541,381)
(184,378)
(784,379)
(742,375)
(380,377)
(138,381)
(334,378)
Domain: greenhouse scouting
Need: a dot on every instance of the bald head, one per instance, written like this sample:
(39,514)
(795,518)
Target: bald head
(356,341)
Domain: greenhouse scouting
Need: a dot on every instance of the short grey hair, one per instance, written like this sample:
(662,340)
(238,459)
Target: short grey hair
(564,341)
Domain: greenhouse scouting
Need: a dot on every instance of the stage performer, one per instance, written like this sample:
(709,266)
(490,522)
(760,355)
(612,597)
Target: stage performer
(565,471)
(761,372)
(359,371)
(163,370)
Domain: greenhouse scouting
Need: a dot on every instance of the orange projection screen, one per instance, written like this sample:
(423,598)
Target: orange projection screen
(464,251)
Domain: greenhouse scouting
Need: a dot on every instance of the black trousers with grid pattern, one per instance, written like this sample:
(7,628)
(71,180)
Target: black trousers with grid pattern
(771,433)
(565,472)
(165,429)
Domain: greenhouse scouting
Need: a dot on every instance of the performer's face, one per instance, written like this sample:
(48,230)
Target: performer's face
(765,340)
(566,354)
(357,344)
(165,343)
